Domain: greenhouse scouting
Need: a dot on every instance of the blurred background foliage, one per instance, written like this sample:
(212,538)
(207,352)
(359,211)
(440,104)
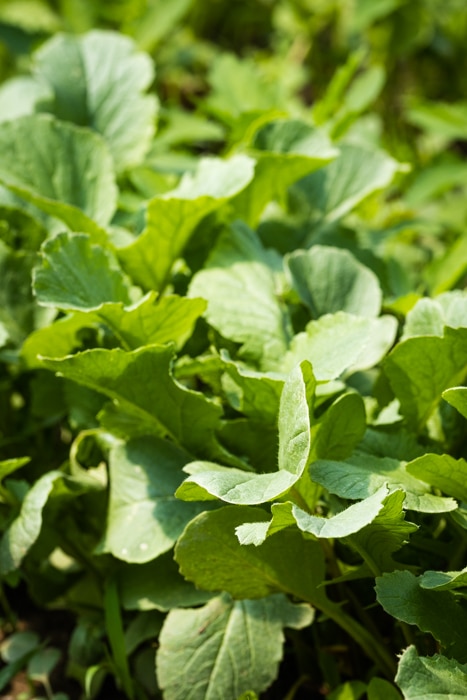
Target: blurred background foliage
(387,73)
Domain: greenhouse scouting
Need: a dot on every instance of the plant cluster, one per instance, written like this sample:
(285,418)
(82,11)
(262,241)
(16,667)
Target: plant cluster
(233,349)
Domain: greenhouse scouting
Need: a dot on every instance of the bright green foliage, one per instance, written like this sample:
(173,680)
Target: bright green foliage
(233,348)
(431,678)
(222,638)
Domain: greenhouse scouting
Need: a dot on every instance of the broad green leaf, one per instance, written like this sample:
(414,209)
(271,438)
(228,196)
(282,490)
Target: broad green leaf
(457,397)
(285,152)
(431,678)
(169,319)
(429,316)
(255,394)
(157,585)
(225,648)
(330,279)
(345,523)
(389,531)
(443,580)
(106,92)
(63,170)
(420,369)
(21,96)
(149,321)
(144,518)
(335,190)
(243,305)
(341,342)
(141,385)
(172,218)
(436,612)
(240,487)
(75,274)
(443,472)
(340,429)
(58,339)
(25,529)
(210,555)
(361,475)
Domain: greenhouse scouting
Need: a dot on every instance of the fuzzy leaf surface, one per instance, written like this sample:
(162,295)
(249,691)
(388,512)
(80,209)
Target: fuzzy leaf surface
(106,92)
(225,648)
(330,279)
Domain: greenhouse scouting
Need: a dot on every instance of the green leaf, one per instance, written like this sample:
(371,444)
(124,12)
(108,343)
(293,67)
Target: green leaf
(144,518)
(25,529)
(75,274)
(225,648)
(379,689)
(255,394)
(106,92)
(41,665)
(420,369)
(65,171)
(436,612)
(361,475)
(285,151)
(294,419)
(443,472)
(18,312)
(240,487)
(149,321)
(157,585)
(338,188)
(441,118)
(157,21)
(21,96)
(239,286)
(352,690)
(389,531)
(443,580)
(330,279)
(457,397)
(433,678)
(341,342)
(237,87)
(172,218)
(141,384)
(429,316)
(338,432)
(345,523)
(210,555)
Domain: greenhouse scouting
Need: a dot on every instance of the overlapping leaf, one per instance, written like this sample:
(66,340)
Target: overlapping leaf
(226,647)
(247,488)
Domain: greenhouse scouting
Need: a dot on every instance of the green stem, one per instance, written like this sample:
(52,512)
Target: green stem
(373,647)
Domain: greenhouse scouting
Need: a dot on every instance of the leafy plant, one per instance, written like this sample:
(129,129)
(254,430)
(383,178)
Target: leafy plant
(233,353)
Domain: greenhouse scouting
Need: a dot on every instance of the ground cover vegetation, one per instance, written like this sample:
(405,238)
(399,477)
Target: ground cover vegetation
(233,349)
